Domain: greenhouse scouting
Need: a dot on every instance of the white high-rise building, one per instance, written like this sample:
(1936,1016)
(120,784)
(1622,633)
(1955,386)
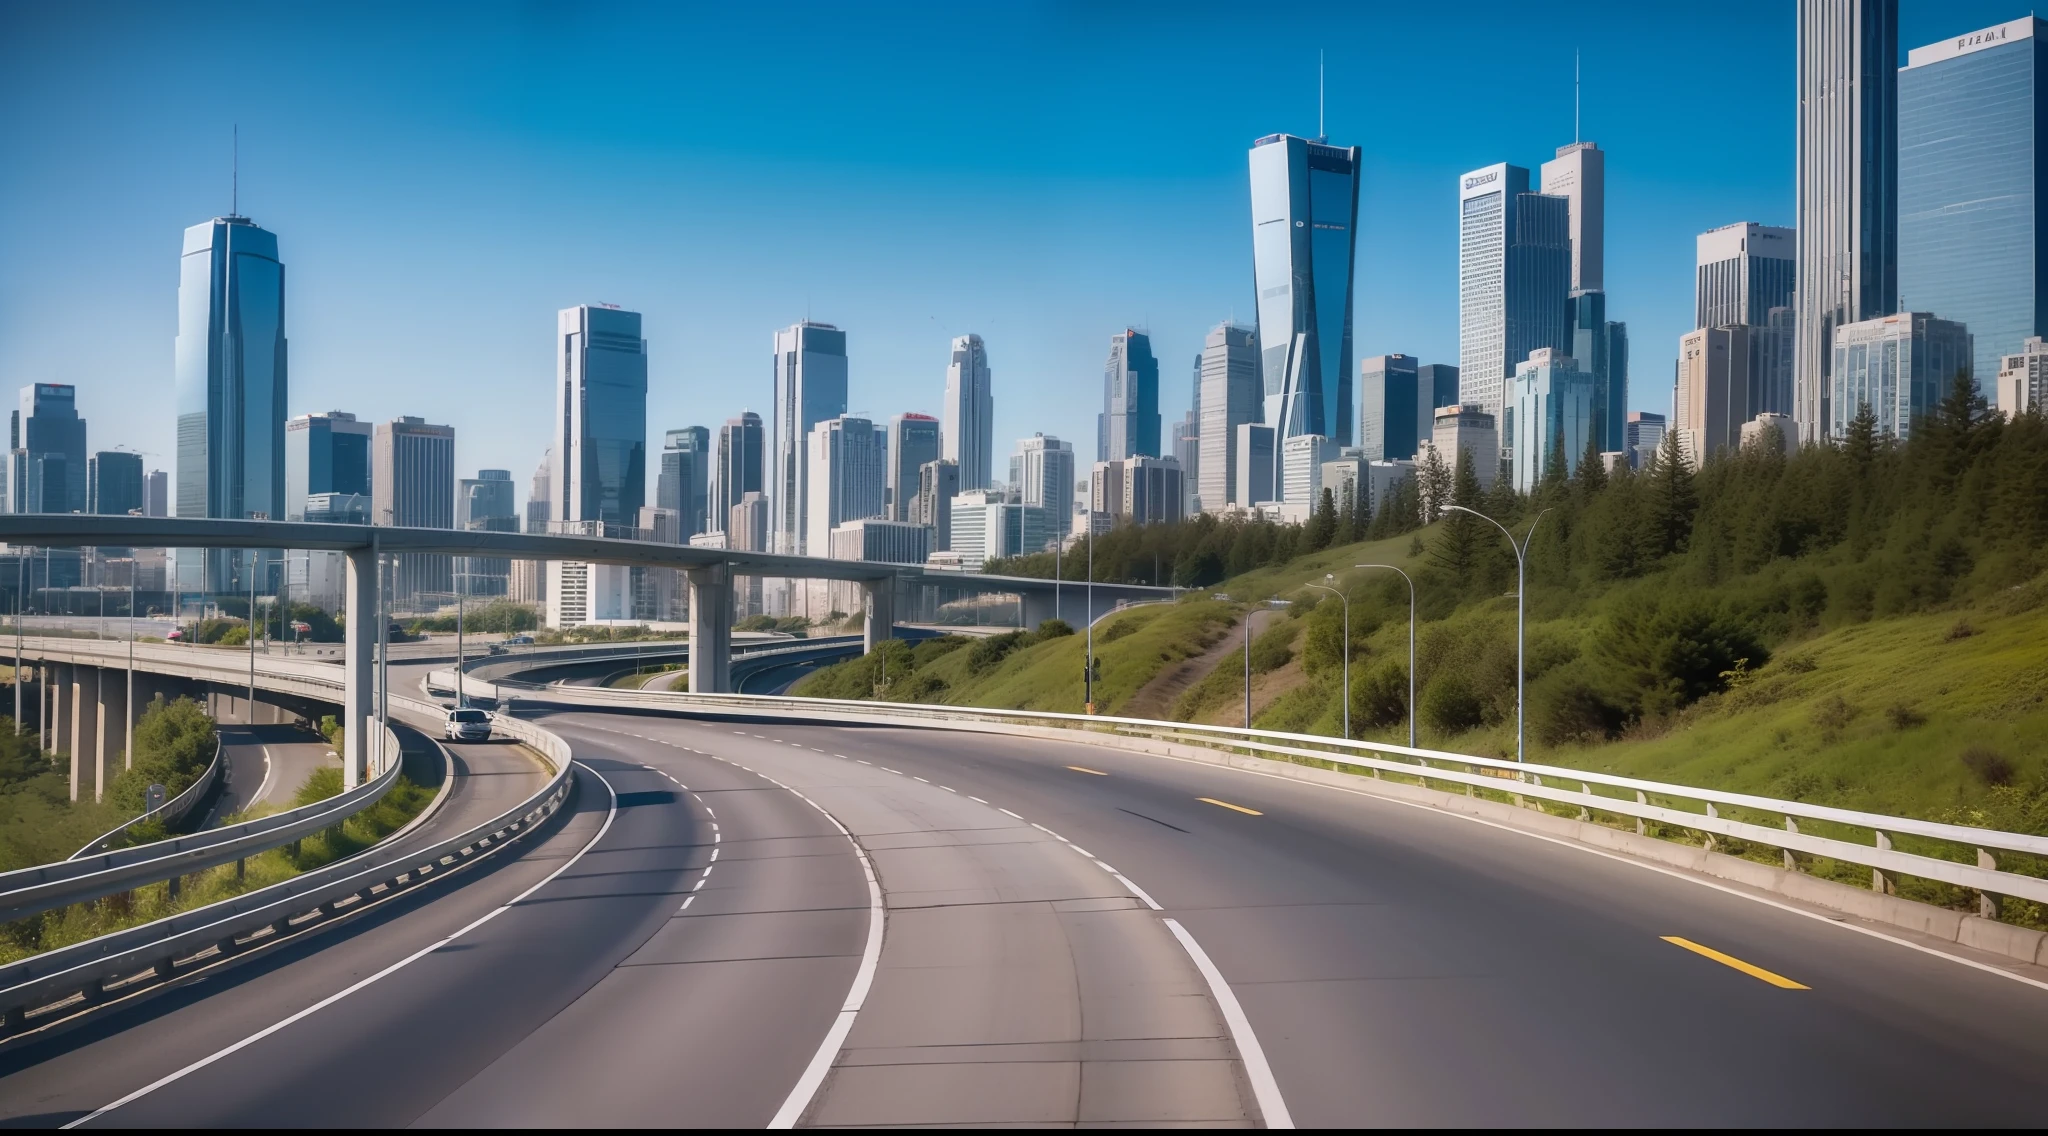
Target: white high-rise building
(847,477)
(968,423)
(1901,365)
(1847,182)
(1256,465)
(1230,398)
(2023,379)
(1301,464)
(1045,477)
(1462,429)
(1579,175)
(810,387)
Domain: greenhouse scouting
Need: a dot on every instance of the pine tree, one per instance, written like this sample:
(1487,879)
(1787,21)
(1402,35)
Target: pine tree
(1322,523)
(1435,486)
(1456,548)
(1556,474)
(1860,441)
(1669,501)
(1591,476)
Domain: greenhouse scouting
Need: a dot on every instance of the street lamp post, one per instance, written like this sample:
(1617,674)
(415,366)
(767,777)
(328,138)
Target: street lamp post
(1088,668)
(1346,600)
(1411,646)
(1521,605)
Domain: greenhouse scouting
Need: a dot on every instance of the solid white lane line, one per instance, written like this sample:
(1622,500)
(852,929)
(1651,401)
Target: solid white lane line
(394,968)
(1264,1088)
(269,772)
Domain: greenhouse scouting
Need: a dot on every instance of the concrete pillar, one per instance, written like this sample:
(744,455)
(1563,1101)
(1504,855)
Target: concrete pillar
(46,706)
(881,613)
(710,629)
(106,742)
(359,665)
(85,727)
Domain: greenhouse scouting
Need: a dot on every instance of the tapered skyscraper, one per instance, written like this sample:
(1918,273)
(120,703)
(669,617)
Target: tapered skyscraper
(1848,180)
(1304,241)
(810,387)
(967,430)
(231,387)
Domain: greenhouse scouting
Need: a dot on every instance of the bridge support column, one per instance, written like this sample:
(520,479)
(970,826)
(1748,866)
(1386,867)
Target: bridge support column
(84,759)
(106,745)
(359,665)
(710,629)
(881,613)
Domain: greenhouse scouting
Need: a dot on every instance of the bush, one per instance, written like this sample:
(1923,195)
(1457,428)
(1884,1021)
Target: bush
(1570,705)
(1450,706)
(174,743)
(988,654)
(1274,649)
(1664,658)
(1904,717)
(1054,629)
(1832,714)
(1380,697)
(236,636)
(1987,765)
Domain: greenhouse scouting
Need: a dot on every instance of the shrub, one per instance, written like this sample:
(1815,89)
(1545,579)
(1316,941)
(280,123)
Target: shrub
(1273,650)
(1961,630)
(1833,713)
(1799,664)
(988,654)
(1987,765)
(1380,697)
(174,742)
(1664,658)
(1450,706)
(1116,631)
(1904,717)
(1054,629)
(236,636)
(1570,705)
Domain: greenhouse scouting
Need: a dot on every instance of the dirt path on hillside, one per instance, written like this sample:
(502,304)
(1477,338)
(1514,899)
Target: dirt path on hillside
(1156,698)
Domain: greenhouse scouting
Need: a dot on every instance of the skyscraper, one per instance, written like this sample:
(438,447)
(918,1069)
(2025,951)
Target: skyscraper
(412,485)
(1045,479)
(1973,225)
(1129,426)
(1187,446)
(683,486)
(1711,399)
(1390,422)
(50,455)
(1579,175)
(1514,276)
(1743,271)
(1900,365)
(738,467)
(1230,398)
(810,387)
(231,379)
(1553,415)
(157,494)
(1600,346)
(540,495)
(485,503)
(600,443)
(1847,182)
(847,477)
(938,482)
(970,414)
(913,441)
(1439,387)
(324,453)
(1304,245)
(117,483)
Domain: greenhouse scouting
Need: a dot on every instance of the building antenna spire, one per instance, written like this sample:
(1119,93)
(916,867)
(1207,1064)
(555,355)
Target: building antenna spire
(1575,95)
(1322,135)
(235,172)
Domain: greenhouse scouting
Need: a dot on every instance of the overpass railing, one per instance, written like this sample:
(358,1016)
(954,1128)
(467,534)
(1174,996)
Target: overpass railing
(171,812)
(1960,856)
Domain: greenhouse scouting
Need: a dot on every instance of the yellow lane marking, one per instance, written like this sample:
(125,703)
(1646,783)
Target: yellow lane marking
(1085,769)
(1756,972)
(1231,807)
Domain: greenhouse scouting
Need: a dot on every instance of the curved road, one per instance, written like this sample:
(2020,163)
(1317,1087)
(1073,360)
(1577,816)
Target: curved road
(266,766)
(676,948)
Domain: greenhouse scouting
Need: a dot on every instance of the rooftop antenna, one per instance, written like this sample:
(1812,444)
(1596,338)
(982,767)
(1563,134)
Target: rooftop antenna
(235,172)
(1321,134)
(1575,95)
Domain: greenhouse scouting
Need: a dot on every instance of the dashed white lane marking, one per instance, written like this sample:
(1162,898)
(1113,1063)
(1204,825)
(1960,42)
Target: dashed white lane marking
(699,885)
(865,762)
(714,856)
(920,779)
(975,799)
(687,901)
(1007,812)
(886,769)
(394,968)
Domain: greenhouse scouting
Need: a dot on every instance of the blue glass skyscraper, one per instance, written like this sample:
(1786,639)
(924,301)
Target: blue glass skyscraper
(600,417)
(230,371)
(1129,425)
(1971,225)
(1304,244)
(1514,278)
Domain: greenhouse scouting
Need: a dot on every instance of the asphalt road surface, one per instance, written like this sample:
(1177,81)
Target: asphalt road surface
(266,766)
(692,945)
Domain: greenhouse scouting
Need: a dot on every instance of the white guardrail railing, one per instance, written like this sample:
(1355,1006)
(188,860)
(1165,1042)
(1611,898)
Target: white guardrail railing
(1717,813)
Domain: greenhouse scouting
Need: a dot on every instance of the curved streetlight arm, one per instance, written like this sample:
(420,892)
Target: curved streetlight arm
(1411,643)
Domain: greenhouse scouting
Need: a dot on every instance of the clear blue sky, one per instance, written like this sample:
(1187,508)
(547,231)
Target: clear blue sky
(442,178)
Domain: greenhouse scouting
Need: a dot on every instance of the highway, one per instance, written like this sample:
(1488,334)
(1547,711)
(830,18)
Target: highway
(266,766)
(679,948)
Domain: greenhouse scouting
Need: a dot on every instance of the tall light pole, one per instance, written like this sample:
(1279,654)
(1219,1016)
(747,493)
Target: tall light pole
(252,630)
(1088,668)
(1521,605)
(1411,645)
(128,700)
(20,590)
(1346,600)
(461,579)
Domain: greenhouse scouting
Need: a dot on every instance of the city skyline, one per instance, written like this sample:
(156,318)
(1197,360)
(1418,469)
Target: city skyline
(704,369)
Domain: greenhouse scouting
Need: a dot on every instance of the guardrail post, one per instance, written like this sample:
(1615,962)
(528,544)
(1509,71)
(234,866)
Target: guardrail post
(359,661)
(1715,814)
(1641,829)
(1880,882)
(172,887)
(1987,903)
(1584,813)
(1791,864)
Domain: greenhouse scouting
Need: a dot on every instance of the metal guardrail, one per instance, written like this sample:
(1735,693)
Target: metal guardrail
(28,891)
(171,811)
(49,983)
(1541,782)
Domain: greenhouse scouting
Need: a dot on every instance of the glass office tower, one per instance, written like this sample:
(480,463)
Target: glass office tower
(1389,389)
(1514,277)
(969,434)
(230,374)
(1304,245)
(684,482)
(600,448)
(324,453)
(49,440)
(1129,425)
(913,441)
(1970,216)
(736,470)
(810,387)
(1847,181)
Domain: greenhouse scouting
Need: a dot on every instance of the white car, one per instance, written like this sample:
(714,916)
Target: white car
(468,725)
